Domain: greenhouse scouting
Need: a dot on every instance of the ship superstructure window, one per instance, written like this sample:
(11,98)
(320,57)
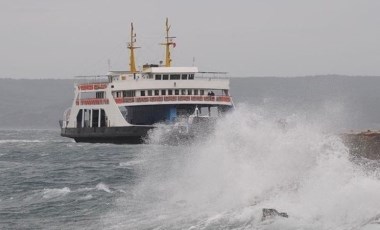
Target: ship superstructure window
(100,94)
(165,77)
(176,92)
(183,91)
(202,92)
(170,92)
(142,93)
(191,76)
(189,92)
(184,76)
(156,92)
(175,77)
(149,76)
(158,76)
(195,92)
(163,92)
(149,92)
(129,93)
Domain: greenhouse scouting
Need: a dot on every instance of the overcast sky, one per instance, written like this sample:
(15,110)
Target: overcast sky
(66,38)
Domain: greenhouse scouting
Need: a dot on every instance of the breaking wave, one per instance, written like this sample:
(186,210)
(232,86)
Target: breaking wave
(250,162)
(55,192)
(19,141)
(103,187)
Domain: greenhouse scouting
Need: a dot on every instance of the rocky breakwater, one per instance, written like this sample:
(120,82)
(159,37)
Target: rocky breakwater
(363,144)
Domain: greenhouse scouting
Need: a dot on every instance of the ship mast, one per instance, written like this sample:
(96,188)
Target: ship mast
(132,47)
(169,42)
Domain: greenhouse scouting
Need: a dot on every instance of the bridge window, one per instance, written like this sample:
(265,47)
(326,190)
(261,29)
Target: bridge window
(163,92)
(149,92)
(195,92)
(184,77)
(183,92)
(165,77)
(142,93)
(176,92)
(158,76)
(202,92)
(175,77)
(189,92)
(157,92)
(191,76)
(170,92)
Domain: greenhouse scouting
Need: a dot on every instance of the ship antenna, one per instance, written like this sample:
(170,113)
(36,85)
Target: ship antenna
(169,42)
(132,47)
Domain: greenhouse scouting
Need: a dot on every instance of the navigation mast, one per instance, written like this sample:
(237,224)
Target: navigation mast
(132,47)
(169,42)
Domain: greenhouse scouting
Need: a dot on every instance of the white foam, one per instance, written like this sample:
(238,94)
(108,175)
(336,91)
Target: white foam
(20,141)
(84,189)
(130,163)
(103,187)
(55,192)
(251,162)
(87,197)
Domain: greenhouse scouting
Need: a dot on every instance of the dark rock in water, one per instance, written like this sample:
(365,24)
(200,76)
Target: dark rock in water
(364,144)
(269,213)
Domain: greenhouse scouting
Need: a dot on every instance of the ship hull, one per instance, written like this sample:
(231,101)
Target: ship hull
(115,135)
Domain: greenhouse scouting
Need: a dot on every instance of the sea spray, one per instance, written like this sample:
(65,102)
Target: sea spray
(250,162)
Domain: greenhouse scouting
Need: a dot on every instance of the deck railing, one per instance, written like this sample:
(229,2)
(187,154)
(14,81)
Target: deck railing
(104,101)
(92,101)
(121,100)
(92,86)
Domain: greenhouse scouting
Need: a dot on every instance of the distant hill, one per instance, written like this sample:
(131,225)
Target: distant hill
(33,103)
(40,103)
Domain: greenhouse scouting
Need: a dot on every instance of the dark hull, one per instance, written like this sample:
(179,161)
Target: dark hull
(116,135)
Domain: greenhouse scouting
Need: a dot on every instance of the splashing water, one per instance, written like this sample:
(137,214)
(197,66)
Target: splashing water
(248,163)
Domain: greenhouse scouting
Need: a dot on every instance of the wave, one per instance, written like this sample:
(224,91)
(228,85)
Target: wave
(250,162)
(55,192)
(103,187)
(20,141)
(130,163)
(60,192)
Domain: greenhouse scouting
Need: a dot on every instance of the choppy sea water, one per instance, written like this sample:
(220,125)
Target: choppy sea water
(223,181)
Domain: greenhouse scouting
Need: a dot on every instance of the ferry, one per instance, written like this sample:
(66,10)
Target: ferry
(123,106)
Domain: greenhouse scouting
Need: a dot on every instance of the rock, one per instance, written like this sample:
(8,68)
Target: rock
(269,213)
(364,144)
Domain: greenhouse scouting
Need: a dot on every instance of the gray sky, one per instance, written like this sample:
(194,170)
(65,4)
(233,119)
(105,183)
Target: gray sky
(65,38)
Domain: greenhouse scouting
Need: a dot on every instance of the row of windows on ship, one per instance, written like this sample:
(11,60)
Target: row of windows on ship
(165,92)
(174,76)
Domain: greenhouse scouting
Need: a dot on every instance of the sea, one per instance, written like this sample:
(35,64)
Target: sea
(248,163)
(279,149)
